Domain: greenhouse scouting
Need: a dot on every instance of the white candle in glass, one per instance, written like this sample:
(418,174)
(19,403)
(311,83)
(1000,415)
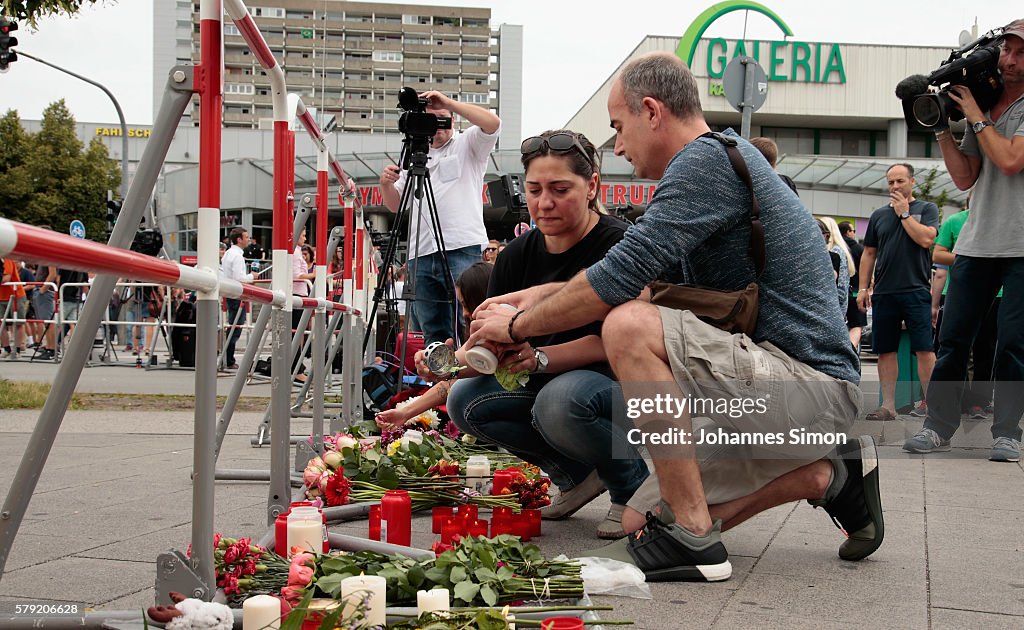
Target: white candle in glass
(371,587)
(432,601)
(305,529)
(261,612)
(478,470)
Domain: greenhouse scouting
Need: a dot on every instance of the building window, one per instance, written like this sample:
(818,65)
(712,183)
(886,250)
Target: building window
(267,12)
(230,29)
(187,231)
(390,56)
(239,88)
(474,97)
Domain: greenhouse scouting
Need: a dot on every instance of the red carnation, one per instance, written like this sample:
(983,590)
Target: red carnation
(337,489)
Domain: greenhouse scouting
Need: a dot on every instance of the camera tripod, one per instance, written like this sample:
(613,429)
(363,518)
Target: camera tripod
(417,187)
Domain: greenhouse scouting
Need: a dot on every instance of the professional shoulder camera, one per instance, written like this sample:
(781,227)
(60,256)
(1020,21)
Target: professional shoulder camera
(416,121)
(974,65)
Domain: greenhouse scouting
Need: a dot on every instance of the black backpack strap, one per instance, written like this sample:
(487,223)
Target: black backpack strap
(756,227)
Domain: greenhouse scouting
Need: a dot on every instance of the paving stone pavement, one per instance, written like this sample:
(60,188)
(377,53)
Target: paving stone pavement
(116,491)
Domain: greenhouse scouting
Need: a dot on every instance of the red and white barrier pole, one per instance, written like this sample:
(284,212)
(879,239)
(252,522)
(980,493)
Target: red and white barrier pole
(280,489)
(209,85)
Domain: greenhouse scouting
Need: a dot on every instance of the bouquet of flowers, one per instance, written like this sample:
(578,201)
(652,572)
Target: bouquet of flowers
(530,488)
(477,571)
(362,469)
(242,568)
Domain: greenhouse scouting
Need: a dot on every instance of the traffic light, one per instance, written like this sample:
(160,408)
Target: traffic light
(113,210)
(7,42)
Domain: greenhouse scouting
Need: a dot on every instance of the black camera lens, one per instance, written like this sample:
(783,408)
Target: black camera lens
(928,110)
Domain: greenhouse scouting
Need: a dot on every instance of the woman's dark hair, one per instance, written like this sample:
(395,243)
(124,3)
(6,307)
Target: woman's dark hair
(472,284)
(585,167)
(306,249)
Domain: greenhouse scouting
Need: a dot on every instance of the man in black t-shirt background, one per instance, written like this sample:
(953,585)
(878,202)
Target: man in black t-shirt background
(895,283)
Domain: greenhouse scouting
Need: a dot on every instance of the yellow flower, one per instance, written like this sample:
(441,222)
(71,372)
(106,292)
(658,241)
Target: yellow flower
(393,447)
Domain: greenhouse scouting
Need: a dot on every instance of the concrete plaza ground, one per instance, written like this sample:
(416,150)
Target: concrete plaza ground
(116,492)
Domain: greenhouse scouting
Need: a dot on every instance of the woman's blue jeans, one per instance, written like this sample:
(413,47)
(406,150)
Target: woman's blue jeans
(567,428)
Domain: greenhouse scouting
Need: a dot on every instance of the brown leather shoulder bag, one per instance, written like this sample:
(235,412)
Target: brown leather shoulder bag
(732,311)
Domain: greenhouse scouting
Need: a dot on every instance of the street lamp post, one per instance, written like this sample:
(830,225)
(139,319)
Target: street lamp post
(117,106)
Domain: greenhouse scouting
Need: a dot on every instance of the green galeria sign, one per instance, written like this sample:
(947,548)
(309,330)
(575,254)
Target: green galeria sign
(793,61)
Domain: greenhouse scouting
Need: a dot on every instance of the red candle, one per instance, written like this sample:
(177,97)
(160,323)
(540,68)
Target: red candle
(533,517)
(375,522)
(467,512)
(438,516)
(478,528)
(505,526)
(450,529)
(502,478)
(396,512)
(521,527)
(562,623)
(501,513)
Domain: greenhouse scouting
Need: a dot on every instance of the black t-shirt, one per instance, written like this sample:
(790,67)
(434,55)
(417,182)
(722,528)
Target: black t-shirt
(526,263)
(66,276)
(902,265)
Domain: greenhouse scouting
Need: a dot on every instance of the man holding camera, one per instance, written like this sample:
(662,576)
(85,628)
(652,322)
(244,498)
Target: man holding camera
(989,254)
(456,163)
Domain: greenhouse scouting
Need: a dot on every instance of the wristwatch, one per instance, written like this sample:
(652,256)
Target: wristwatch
(905,216)
(542,361)
(981,124)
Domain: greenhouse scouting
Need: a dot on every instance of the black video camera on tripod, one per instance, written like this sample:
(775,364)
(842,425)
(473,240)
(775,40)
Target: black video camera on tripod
(974,65)
(418,125)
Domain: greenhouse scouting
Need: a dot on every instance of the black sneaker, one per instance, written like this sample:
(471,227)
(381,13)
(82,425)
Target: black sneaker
(853,499)
(667,552)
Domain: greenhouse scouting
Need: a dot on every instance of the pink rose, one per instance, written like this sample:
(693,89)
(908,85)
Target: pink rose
(345,441)
(300,575)
(333,459)
(324,480)
(292,594)
(311,476)
(303,558)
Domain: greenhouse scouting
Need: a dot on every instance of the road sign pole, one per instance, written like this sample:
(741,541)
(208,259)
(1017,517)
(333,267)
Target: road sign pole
(748,96)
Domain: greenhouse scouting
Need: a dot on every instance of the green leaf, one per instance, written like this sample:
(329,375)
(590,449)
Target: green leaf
(415,575)
(438,576)
(485,556)
(511,380)
(331,583)
(466,591)
(485,574)
(488,595)
(392,574)
(490,620)
(458,574)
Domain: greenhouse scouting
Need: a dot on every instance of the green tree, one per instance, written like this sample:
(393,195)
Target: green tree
(31,10)
(50,178)
(926,191)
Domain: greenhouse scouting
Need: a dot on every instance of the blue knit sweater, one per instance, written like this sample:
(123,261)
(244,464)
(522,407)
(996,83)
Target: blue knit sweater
(696,230)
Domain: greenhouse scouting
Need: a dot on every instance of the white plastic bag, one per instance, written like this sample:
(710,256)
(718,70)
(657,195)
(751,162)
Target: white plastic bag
(604,576)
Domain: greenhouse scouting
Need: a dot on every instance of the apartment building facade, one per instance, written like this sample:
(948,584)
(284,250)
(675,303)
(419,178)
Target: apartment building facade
(348,60)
